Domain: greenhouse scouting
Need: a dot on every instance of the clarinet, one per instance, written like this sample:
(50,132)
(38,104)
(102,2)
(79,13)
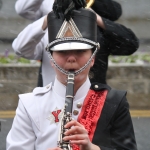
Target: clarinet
(67,113)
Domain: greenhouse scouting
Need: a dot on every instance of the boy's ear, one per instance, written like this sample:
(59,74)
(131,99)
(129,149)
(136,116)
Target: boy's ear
(92,62)
(51,63)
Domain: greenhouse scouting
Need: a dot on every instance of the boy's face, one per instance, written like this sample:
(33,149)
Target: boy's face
(72,60)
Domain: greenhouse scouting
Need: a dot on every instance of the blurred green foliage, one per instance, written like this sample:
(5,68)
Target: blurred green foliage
(13,59)
(145,58)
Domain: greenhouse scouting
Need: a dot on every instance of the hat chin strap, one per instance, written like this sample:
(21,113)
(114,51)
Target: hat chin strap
(76,72)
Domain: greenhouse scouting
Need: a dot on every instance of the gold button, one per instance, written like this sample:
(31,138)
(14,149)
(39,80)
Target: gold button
(96,86)
(79,105)
(75,112)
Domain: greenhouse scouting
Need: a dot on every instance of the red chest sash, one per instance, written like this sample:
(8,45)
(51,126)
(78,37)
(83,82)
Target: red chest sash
(91,111)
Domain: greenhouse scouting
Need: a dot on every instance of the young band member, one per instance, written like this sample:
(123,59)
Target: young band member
(115,39)
(101,118)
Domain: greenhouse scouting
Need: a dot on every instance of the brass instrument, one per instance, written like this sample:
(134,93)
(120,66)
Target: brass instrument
(67,113)
(89,3)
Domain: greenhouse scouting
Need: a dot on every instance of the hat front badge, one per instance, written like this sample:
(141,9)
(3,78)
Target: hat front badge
(69,29)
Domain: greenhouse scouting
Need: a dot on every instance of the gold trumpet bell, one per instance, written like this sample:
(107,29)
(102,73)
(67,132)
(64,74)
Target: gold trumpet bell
(89,3)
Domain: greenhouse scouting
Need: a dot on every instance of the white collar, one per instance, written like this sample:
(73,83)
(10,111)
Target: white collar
(60,89)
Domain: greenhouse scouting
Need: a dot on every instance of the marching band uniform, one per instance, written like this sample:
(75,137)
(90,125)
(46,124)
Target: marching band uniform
(35,111)
(102,111)
(40,130)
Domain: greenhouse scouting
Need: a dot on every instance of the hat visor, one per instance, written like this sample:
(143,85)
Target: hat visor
(71,46)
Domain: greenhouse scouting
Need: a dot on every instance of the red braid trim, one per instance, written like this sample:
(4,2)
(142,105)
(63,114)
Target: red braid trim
(91,111)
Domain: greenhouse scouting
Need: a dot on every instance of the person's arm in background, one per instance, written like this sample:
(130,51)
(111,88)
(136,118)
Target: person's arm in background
(108,9)
(29,9)
(114,39)
(30,42)
(119,39)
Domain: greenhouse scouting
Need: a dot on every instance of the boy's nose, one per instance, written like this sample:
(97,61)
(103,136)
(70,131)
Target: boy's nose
(71,57)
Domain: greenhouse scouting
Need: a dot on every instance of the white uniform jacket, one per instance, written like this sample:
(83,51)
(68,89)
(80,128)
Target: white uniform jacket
(32,9)
(31,44)
(34,126)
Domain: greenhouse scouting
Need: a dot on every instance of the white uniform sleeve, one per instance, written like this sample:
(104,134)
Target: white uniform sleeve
(29,43)
(21,136)
(29,9)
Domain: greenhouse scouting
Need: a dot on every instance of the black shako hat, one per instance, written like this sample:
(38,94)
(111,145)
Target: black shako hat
(71,26)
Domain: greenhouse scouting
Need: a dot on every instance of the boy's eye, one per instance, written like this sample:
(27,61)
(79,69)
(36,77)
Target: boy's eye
(75,51)
(81,51)
(61,51)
